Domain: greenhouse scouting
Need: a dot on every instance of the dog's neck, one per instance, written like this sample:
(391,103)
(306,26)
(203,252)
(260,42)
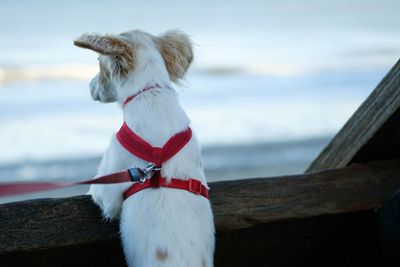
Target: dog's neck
(149,70)
(147,88)
(155,114)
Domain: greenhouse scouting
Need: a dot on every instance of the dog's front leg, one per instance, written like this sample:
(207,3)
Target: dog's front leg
(107,199)
(110,197)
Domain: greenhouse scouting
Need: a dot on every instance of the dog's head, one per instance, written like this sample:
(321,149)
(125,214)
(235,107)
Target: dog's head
(122,55)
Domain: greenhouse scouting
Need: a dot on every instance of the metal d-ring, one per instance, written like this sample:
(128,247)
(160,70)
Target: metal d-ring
(141,175)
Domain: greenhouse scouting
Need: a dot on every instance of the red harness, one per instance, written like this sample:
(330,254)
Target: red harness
(157,155)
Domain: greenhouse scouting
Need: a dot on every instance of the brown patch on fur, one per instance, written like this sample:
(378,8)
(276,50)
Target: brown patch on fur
(121,51)
(161,255)
(104,75)
(176,49)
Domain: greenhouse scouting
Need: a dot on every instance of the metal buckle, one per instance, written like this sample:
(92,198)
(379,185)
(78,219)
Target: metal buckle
(194,186)
(141,175)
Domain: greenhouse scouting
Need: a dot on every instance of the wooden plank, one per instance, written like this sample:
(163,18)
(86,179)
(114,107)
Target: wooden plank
(346,239)
(369,118)
(70,222)
(337,240)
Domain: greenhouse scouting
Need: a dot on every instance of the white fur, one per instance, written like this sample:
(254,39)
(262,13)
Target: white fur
(176,222)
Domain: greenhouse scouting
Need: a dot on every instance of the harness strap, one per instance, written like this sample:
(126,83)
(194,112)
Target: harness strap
(192,185)
(130,98)
(142,149)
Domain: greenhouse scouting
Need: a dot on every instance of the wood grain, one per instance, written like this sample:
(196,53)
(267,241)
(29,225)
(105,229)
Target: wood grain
(54,223)
(370,117)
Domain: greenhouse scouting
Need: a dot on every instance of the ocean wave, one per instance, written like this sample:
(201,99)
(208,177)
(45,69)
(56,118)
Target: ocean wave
(74,71)
(270,70)
(86,72)
(48,72)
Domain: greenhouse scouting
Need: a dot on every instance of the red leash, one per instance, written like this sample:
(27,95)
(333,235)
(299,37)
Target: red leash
(10,189)
(192,185)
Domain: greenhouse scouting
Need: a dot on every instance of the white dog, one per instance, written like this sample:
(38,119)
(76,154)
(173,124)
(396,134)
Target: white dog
(160,226)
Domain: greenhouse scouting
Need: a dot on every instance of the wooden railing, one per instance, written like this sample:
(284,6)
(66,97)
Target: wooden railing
(372,133)
(70,231)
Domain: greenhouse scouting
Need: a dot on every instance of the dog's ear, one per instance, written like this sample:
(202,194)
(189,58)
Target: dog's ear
(176,49)
(108,45)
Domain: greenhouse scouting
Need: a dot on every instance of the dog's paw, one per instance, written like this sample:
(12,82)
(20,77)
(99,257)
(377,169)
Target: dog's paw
(110,204)
(111,212)
(110,209)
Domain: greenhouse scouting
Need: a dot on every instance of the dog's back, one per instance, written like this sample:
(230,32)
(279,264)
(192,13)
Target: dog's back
(167,227)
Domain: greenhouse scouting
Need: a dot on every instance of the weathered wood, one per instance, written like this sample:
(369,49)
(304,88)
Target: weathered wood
(244,203)
(65,226)
(44,223)
(336,240)
(378,113)
(346,239)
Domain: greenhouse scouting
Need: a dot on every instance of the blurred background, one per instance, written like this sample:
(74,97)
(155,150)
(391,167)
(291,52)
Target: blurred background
(272,81)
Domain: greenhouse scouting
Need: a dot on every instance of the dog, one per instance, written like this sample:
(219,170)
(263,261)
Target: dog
(159,226)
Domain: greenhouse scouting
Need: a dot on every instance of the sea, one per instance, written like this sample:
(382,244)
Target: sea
(271,83)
